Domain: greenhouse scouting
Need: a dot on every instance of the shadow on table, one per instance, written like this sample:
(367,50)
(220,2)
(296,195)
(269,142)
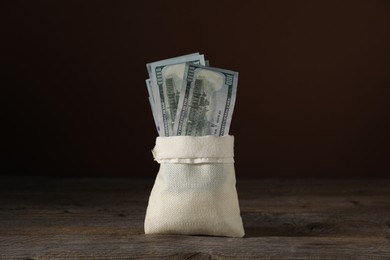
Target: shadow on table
(278,224)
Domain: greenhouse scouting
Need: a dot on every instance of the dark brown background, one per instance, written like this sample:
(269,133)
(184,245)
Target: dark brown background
(313,96)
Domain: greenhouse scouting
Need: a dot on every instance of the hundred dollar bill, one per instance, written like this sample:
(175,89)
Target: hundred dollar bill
(149,65)
(166,79)
(152,103)
(206,101)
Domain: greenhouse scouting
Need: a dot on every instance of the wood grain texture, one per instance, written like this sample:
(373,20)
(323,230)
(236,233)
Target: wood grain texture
(102,218)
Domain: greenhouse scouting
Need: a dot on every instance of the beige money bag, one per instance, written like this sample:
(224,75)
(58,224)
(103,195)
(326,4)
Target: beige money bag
(195,189)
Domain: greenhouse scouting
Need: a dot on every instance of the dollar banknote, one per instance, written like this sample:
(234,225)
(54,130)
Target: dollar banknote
(206,101)
(152,103)
(166,81)
(149,65)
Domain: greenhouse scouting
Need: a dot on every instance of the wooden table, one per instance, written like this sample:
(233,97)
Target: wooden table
(102,218)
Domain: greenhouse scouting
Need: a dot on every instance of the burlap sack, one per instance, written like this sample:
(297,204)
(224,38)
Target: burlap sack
(195,189)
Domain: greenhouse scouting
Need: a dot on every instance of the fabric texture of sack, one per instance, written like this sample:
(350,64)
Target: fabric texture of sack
(195,189)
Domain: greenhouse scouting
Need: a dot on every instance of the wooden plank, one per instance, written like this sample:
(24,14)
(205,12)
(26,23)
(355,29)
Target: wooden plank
(169,246)
(53,218)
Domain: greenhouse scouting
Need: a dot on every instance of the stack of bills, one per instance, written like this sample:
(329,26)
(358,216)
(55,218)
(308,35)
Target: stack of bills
(188,97)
